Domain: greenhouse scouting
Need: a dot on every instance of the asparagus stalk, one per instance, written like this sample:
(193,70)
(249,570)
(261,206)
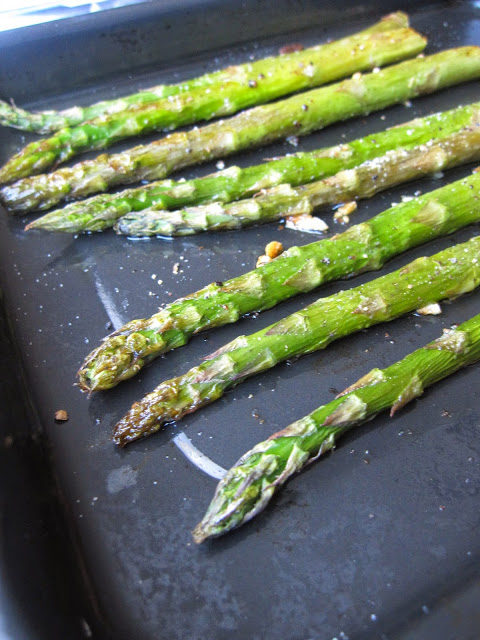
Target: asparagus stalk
(393,168)
(363,247)
(277,71)
(248,486)
(101,211)
(331,62)
(447,274)
(297,115)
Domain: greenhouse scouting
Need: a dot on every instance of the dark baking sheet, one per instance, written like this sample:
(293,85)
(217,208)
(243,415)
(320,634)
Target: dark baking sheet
(388,549)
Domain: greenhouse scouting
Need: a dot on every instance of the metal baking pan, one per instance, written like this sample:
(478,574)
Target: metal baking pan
(96,540)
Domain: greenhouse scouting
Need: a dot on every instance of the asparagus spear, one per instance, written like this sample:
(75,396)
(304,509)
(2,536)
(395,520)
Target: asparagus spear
(297,115)
(393,168)
(248,486)
(447,274)
(101,211)
(363,247)
(277,70)
(332,61)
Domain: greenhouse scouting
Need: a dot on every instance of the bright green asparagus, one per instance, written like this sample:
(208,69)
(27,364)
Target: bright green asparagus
(101,211)
(279,77)
(297,115)
(273,68)
(363,247)
(247,487)
(447,274)
(393,168)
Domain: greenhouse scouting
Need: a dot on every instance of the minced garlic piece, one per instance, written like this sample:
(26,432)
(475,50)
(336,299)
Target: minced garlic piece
(342,213)
(433,309)
(261,260)
(306,222)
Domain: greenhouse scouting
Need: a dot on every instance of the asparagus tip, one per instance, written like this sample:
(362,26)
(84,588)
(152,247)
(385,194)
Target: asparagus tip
(199,534)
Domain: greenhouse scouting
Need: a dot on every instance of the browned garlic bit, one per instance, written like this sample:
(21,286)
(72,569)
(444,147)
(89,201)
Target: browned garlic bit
(272,250)
(61,415)
(342,213)
(290,48)
(306,222)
